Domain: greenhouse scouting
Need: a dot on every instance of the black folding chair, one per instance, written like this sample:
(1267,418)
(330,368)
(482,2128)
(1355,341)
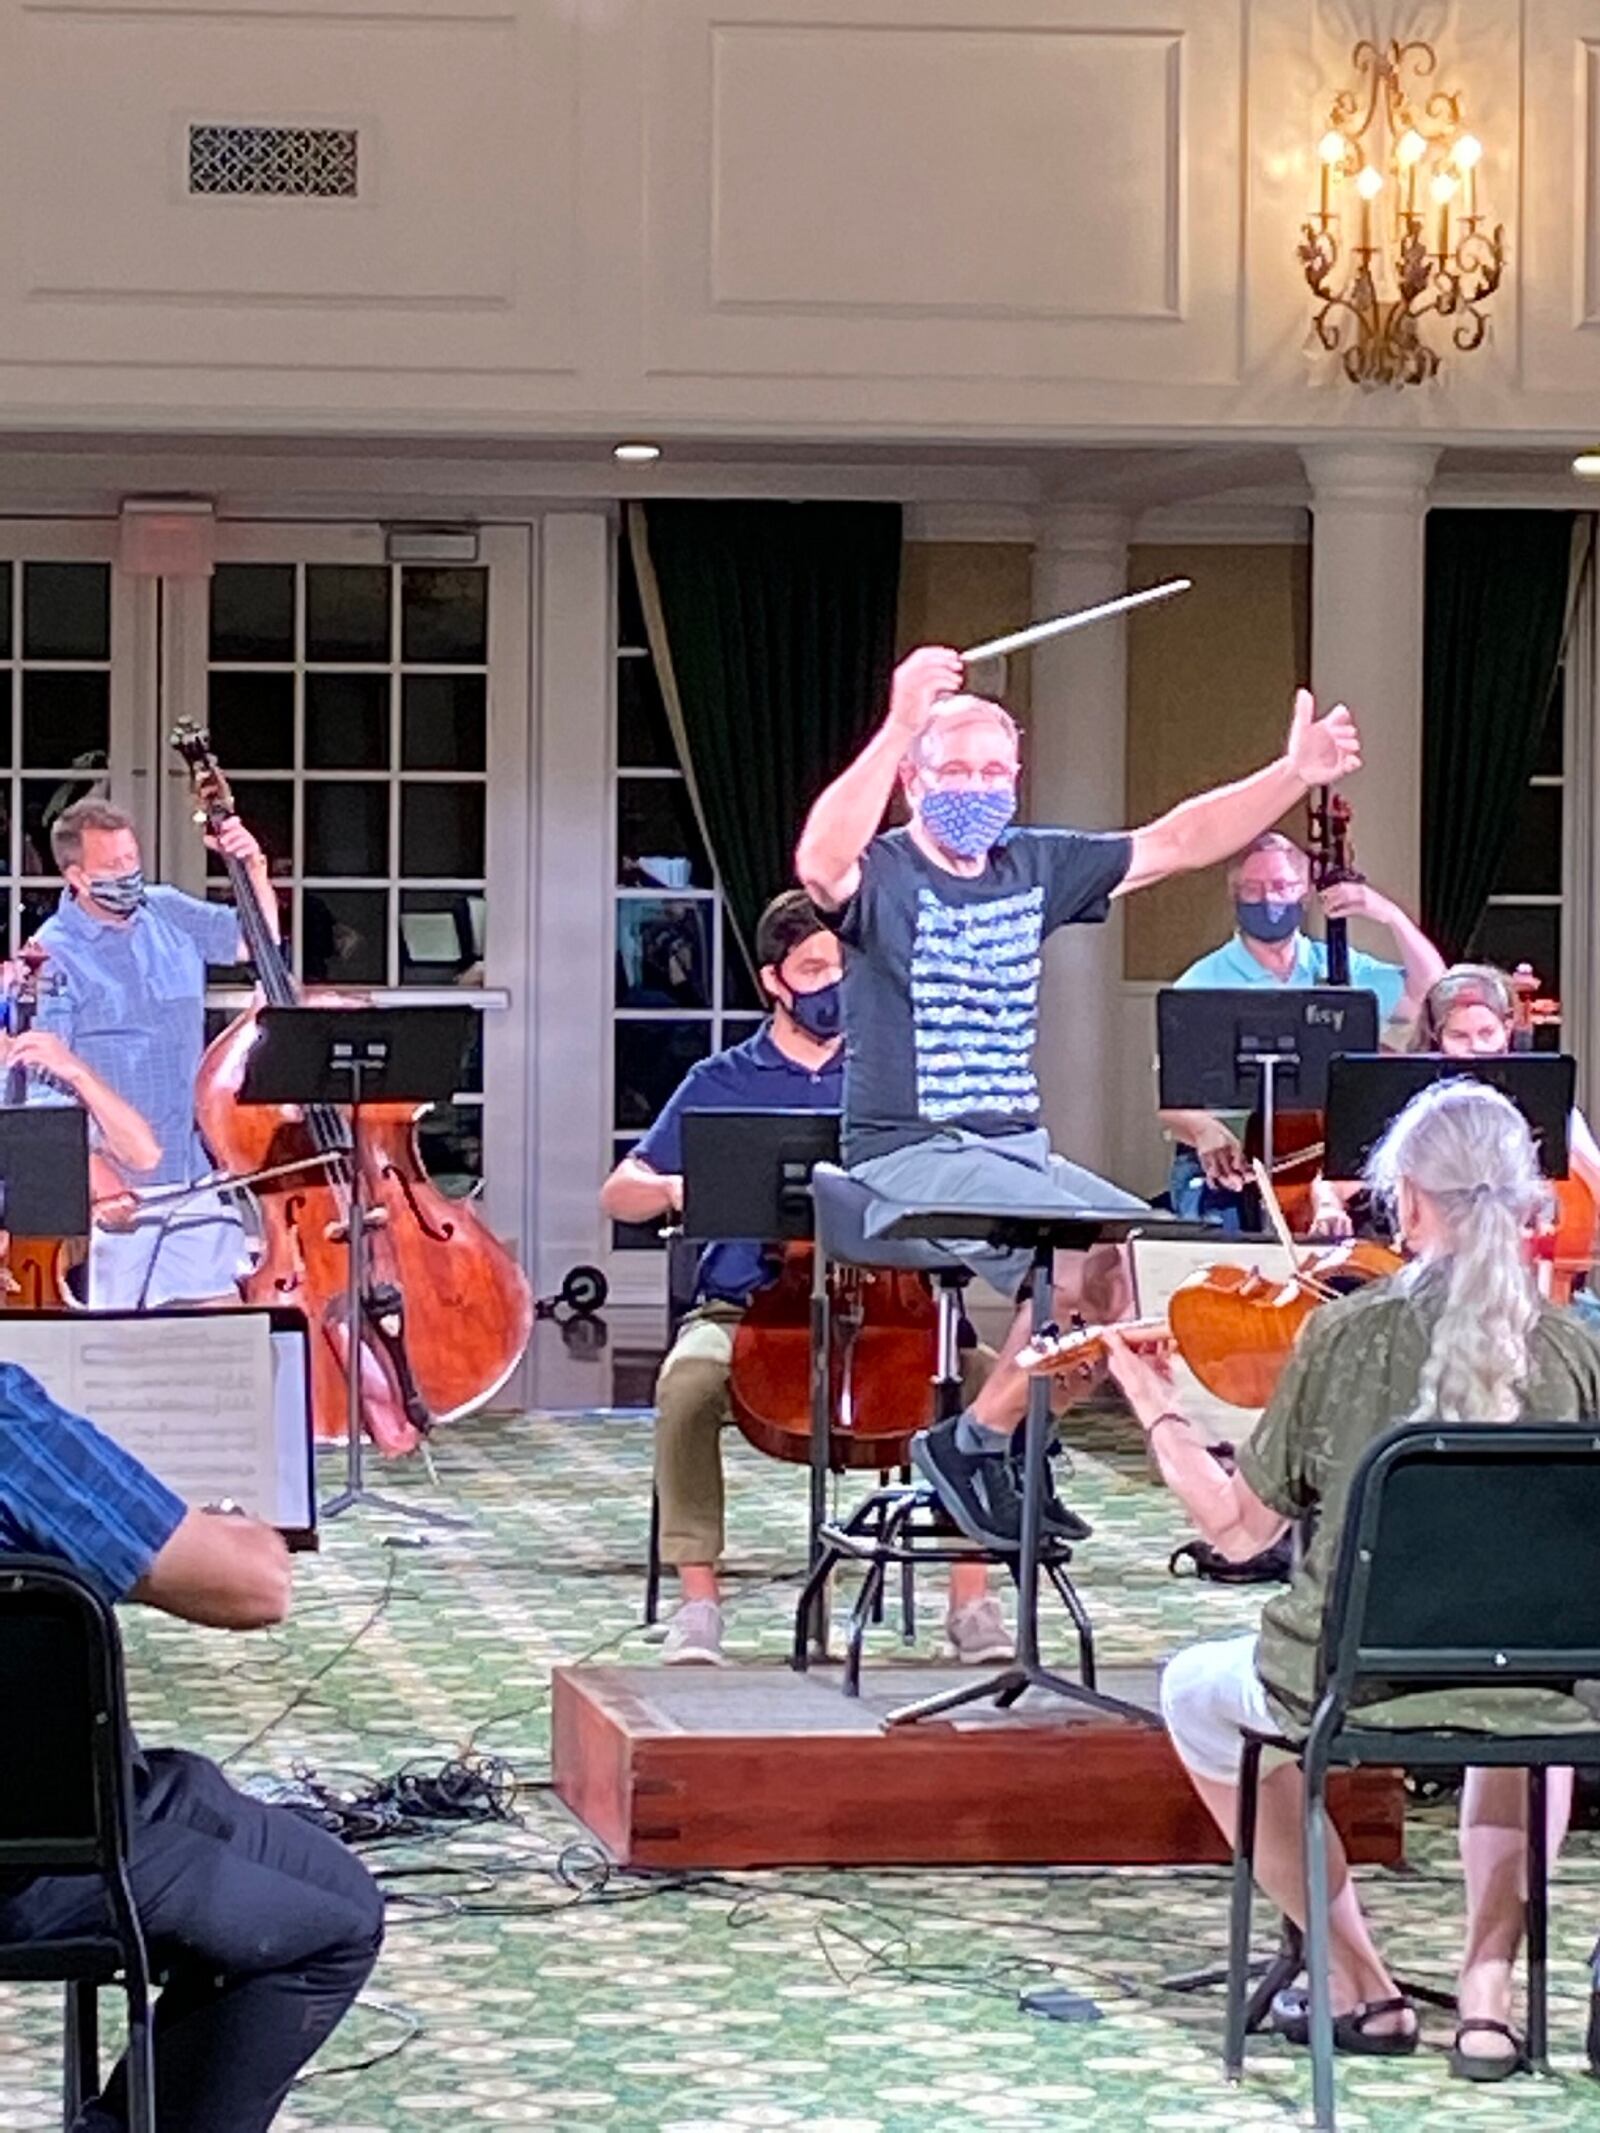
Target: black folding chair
(1470,1558)
(64,1809)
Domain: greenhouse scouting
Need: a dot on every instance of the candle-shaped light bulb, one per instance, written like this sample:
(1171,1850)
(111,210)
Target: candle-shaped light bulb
(1443,189)
(1468,155)
(1369,183)
(1332,147)
(1410,148)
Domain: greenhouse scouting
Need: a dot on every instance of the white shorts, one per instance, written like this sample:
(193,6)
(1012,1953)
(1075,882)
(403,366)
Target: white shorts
(1211,1696)
(184,1252)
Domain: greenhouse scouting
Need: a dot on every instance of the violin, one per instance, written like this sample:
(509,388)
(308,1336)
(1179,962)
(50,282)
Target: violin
(881,1351)
(447,1312)
(1566,1247)
(1299,1137)
(1234,1326)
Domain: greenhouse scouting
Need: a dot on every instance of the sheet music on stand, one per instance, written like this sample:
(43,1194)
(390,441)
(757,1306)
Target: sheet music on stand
(215,1403)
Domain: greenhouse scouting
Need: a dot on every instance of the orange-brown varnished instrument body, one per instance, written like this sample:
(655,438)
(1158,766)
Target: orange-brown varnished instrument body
(883,1350)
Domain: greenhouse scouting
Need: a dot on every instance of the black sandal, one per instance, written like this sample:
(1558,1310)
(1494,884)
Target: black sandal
(1291,2020)
(1487,2066)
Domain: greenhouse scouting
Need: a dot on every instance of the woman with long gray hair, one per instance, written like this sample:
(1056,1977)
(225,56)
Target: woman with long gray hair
(1460,1334)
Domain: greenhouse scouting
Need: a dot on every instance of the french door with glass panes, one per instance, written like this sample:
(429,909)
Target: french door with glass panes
(373,721)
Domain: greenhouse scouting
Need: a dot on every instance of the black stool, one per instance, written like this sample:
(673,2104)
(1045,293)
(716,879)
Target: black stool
(895,1526)
(1041,1229)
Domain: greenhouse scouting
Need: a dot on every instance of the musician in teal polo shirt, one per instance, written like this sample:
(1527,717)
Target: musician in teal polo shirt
(1270,883)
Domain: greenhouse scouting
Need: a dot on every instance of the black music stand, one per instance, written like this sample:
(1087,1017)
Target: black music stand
(348,1057)
(747,1175)
(44,1170)
(1043,1230)
(1256,1048)
(1367,1091)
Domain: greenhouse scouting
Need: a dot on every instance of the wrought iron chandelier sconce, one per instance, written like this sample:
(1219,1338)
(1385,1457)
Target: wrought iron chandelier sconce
(1399,255)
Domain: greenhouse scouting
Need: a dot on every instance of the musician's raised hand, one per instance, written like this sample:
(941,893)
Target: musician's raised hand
(921,679)
(234,841)
(1322,750)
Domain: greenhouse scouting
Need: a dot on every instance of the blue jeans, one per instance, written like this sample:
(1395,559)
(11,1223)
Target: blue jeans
(264,1927)
(1196,1201)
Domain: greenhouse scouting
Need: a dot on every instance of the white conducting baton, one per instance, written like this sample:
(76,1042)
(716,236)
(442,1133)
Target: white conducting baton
(1058,625)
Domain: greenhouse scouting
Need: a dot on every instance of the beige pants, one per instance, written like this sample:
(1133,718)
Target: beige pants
(691,1414)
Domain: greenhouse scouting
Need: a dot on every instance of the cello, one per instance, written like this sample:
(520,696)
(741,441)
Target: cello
(36,1268)
(447,1311)
(1566,1248)
(881,1354)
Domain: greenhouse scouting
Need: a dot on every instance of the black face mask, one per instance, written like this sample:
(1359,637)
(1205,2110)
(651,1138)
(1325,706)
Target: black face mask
(821,1013)
(1270,918)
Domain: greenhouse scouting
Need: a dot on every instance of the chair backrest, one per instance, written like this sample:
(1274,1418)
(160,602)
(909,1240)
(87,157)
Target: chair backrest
(64,1738)
(1470,1555)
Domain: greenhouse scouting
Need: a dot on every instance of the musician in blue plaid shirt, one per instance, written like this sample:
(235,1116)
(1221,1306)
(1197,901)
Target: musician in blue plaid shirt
(129,969)
(264,1927)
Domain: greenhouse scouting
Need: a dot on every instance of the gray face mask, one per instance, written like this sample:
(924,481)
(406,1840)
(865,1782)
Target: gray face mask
(120,893)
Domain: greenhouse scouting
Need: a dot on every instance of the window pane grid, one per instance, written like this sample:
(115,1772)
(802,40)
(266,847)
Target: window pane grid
(55,623)
(661,1040)
(352,843)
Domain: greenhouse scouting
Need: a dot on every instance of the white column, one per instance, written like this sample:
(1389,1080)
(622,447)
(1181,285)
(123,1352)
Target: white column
(1369,503)
(1075,750)
(571,917)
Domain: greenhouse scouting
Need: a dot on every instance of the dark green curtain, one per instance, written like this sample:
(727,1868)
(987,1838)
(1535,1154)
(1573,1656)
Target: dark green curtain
(1497,585)
(778,623)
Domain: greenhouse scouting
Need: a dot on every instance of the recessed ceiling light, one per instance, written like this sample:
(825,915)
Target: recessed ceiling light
(1587,463)
(636,454)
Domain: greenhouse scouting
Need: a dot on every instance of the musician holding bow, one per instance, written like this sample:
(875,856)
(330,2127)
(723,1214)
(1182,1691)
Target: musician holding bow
(1270,884)
(128,964)
(944,922)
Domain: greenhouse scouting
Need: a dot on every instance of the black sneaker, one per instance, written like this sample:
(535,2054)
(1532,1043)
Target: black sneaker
(976,1488)
(1057,1521)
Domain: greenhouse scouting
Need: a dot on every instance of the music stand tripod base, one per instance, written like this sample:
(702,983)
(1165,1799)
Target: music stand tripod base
(350,1057)
(1043,1230)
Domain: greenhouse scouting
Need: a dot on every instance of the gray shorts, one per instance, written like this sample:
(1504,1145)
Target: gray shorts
(956,1168)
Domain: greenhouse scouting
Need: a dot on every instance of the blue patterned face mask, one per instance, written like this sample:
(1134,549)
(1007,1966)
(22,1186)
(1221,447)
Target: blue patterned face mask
(121,893)
(967,824)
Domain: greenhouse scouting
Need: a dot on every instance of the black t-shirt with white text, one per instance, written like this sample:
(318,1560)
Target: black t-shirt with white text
(941,985)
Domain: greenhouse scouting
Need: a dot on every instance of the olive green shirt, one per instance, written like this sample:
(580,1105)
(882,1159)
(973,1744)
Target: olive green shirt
(1352,1377)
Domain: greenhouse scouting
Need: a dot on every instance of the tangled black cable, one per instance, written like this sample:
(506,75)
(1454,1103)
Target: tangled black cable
(414,1802)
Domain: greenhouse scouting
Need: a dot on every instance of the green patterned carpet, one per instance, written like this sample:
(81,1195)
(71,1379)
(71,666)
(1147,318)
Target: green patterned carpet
(519,1988)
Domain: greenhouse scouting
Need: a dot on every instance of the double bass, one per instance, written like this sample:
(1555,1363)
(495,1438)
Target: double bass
(1567,1247)
(1298,1136)
(447,1311)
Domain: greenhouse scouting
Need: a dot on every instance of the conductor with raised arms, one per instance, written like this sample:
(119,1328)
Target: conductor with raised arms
(944,922)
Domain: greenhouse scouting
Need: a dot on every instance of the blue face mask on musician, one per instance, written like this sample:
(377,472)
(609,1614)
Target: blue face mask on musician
(1270,919)
(968,823)
(121,893)
(821,1013)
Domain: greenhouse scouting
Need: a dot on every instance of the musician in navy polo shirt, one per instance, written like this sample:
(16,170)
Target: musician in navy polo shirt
(264,1927)
(793,1063)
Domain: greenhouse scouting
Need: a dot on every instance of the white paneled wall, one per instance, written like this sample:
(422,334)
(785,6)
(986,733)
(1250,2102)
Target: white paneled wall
(906,218)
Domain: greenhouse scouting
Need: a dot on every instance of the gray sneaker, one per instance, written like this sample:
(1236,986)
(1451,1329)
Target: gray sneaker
(694,1636)
(976,1634)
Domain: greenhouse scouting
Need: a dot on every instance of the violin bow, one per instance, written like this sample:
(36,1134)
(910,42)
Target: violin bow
(1299,1259)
